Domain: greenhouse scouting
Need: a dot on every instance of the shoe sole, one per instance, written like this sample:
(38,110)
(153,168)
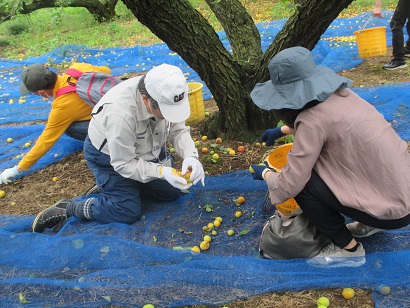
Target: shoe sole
(395,68)
(340,264)
(374,231)
(92,190)
(34,223)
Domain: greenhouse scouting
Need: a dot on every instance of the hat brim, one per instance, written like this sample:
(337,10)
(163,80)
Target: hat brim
(23,89)
(296,95)
(176,113)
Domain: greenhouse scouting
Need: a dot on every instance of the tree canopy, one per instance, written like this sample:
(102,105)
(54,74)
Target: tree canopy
(101,10)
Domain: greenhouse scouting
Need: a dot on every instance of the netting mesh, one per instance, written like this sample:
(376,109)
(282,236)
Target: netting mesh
(89,265)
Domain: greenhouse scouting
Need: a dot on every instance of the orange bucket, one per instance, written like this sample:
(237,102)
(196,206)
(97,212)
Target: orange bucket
(277,159)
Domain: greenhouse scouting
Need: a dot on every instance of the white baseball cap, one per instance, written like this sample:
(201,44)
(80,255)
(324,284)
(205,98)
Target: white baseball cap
(168,86)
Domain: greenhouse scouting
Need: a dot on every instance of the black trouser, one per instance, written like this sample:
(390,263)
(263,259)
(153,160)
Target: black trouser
(400,16)
(325,211)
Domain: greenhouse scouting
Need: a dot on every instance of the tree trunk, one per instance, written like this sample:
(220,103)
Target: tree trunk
(102,11)
(231,76)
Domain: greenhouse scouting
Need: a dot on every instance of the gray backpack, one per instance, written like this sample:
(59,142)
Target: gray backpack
(89,86)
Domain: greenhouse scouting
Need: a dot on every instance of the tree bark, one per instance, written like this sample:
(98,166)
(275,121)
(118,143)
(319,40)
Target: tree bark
(231,76)
(101,10)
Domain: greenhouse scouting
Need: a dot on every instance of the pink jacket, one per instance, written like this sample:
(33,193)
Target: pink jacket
(355,151)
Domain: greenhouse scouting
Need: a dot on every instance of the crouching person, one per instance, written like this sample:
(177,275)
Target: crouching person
(125,150)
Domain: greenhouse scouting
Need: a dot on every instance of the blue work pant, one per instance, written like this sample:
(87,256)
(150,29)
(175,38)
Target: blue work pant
(119,198)
(78,130)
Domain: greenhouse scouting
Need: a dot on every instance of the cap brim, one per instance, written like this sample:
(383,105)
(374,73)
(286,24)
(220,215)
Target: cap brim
(23,89)
(176,113)
(320,86)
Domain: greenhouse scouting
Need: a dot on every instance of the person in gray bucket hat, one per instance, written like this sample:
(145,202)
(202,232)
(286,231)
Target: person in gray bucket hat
(346,159)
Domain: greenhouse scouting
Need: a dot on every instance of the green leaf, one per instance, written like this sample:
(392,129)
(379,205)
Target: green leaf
(244,232)
(22,299)
(107,298)
(208,208)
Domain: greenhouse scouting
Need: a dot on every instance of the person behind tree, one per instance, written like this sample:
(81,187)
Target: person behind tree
(346,159)
(399,19)
(69,113)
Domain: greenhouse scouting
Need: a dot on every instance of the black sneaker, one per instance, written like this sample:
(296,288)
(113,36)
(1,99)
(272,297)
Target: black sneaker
(395,64)
(406,52)
(50,217)
(92,190)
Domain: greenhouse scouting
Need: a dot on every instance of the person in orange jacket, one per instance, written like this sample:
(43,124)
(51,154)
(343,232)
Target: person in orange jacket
(69,113)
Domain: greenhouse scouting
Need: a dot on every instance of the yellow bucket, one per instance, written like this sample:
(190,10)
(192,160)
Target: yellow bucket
(196,103)
(277,159)
(371,42)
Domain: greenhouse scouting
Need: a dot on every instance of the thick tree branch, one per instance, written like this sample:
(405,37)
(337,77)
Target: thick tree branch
(240,30)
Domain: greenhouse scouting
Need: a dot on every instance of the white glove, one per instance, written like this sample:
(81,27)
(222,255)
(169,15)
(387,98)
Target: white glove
(6,175)
(198,173)
(173,178)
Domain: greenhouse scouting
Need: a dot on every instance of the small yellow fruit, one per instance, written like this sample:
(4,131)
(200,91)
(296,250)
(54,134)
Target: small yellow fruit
(13,203)
(197,143)
(27,144)
(206,113)
(383,289)
(217,223)
(207,238)
(148,306)
(210,225)
(204,245)
(204,138)
(219,219)
(55,179)
(215,156)
(240,200)
(231,232)
(204,150)
(324,301)
(264,144)
(257,144)
(238,214)
(2,193)
(218,140)
(196,249)
(205,228)
(232,152)
(214,232)
(9,140)
(348,293)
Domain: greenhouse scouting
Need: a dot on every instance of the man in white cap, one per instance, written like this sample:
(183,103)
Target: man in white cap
(125,149)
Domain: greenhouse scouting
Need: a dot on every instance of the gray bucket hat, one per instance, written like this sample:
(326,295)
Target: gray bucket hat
(295,81)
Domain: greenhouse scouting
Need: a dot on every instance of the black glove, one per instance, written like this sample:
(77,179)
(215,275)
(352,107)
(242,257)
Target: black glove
(270,135)
(259,171)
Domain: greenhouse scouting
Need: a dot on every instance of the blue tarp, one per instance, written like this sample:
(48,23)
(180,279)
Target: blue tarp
(91,265)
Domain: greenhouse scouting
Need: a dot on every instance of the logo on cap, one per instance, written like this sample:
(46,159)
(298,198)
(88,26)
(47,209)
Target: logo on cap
(178,98)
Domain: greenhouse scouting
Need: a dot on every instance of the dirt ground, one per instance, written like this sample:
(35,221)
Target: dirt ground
(37,191)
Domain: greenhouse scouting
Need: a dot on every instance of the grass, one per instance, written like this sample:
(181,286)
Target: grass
(48,29)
